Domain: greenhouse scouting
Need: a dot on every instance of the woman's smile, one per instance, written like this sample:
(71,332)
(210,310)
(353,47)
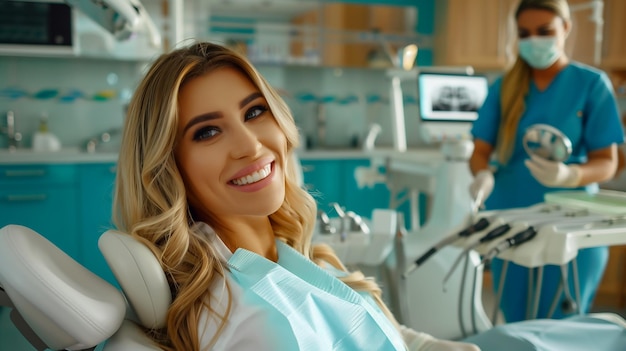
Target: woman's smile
(256,180)
(255,176)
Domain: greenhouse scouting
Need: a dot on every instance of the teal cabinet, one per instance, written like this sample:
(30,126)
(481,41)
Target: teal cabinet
(321,180)
(332,180)
(45,199)
(70,204)
(362,200)
(96,185)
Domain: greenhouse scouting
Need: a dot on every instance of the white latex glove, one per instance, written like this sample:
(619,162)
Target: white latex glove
(554,174)
(482,186)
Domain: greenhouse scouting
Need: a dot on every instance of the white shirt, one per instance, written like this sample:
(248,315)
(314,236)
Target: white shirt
(247,326)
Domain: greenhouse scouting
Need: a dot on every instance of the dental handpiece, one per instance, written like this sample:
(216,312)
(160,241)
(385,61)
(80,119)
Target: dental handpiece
(476,227)
(493,234)
(516,240)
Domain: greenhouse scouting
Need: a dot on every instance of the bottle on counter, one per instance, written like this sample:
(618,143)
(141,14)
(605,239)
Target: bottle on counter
(43,139)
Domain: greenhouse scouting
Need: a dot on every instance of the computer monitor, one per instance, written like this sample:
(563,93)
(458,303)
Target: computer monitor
(449,103)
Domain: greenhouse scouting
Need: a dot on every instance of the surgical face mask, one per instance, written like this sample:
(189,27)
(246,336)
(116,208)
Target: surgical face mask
(539,52)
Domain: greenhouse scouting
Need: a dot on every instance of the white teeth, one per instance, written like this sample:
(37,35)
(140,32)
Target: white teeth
(254,177)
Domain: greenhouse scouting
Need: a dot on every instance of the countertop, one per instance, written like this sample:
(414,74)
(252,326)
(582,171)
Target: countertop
(76,155)
(67,155)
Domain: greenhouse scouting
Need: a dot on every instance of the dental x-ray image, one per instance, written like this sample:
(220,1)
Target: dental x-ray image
(454,98)
(451,97)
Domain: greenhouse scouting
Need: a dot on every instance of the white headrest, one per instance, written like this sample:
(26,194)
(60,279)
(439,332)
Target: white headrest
(130,337)
(140,276)
(65,304)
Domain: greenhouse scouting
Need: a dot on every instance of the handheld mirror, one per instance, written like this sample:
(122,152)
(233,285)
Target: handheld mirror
(547,142)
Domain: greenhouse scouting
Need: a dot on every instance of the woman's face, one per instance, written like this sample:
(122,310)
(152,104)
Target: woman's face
(542,23)
(230,151)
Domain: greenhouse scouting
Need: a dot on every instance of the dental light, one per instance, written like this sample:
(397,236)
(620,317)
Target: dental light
(122,18)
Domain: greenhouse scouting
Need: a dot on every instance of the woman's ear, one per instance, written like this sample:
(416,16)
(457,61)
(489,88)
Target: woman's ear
(567,27)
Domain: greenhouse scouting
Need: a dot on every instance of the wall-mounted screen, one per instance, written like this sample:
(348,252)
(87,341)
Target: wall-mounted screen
(451,97)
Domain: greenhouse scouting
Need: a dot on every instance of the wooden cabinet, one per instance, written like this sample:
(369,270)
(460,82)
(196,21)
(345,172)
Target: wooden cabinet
(329,23)
(482,33)
(612,290)
(343,34)
(476,33)
(582,45)
(614,42)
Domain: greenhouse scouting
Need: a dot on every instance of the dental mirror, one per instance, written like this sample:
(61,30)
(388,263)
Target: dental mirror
(547,142)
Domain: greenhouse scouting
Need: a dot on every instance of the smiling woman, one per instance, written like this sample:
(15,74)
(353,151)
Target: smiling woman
(207,180)
(244,176)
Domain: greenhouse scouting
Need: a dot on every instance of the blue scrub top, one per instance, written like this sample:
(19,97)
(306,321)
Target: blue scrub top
(579,102)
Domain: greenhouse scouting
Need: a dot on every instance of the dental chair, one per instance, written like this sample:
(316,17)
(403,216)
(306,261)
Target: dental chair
(58,304)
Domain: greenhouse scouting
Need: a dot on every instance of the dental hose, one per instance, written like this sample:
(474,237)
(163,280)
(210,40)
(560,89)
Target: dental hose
(476,227)
(568,305)
(493,234)
(516,240)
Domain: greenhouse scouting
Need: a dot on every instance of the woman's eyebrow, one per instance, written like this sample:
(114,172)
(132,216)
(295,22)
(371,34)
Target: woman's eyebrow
(250,98)
(215,115)
(202,118)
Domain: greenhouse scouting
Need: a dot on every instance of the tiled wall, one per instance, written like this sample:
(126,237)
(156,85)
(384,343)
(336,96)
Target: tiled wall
(84,97)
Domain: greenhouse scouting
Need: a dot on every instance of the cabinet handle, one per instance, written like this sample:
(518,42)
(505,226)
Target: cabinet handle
(25,173)
(26,198)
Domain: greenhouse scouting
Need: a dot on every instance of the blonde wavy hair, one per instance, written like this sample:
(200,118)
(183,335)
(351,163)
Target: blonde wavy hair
(516,82)
(151,203)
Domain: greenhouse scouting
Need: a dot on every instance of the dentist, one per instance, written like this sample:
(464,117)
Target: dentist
(545,86)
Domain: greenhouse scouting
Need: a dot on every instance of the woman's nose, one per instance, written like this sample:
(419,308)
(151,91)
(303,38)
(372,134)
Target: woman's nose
(245,142)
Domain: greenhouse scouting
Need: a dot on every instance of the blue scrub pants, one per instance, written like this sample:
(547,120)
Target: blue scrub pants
(591,265)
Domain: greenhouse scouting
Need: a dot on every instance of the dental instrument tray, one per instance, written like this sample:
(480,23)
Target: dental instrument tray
(566,222)
(604,201)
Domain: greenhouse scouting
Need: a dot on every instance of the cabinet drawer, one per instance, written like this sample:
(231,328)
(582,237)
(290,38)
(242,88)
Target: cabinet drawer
(37,174)
(50,211)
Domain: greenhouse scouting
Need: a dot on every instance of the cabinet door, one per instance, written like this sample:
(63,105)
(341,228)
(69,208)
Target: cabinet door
(612,290)
(614,34)
(50,210)
(363,201)
(581,43)
(322,179)
(96,198)
(342,33)
(475,33)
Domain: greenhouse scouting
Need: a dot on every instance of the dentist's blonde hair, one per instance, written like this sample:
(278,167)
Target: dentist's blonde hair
(150,197)
(516,82)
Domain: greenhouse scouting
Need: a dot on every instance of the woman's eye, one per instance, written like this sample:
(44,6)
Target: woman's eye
(205,133)
(255,112)
(546,32)
(522,34)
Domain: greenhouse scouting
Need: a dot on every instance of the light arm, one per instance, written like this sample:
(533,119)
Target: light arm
(122,18)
